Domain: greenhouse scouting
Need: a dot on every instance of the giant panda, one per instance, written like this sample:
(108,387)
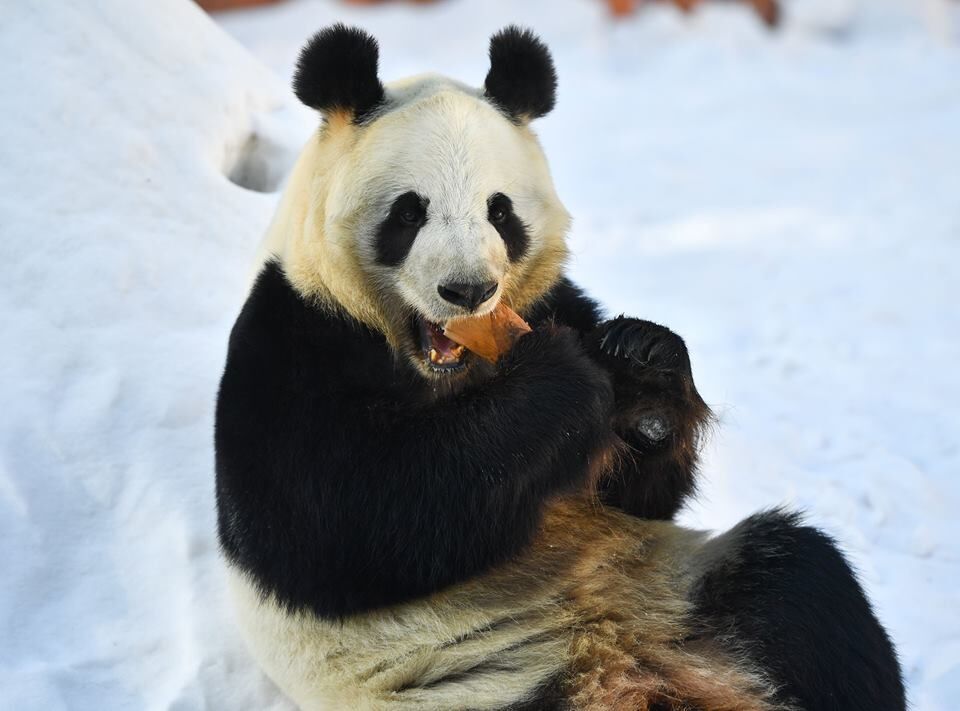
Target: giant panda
(406,526)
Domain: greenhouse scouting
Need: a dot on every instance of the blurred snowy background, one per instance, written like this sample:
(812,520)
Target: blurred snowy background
(789,202)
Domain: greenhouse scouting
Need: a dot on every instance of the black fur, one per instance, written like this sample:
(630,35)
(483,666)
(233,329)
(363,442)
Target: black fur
(551,696)
(399,228)
(783,593)
(658,413)
(522,81)
(344,483)
(337,71)
(511,228)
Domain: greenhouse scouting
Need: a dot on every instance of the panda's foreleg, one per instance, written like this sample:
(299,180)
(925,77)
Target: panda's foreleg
(462,481)
(658,414)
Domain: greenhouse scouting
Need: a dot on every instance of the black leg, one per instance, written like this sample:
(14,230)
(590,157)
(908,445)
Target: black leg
(785,595)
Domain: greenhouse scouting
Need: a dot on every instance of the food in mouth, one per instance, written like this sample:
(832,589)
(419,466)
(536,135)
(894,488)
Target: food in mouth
(445,348)
(490,335)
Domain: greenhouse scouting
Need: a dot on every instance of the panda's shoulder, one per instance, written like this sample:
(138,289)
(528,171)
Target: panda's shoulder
(273,305)
(567,304)
(283,334)
(274,308)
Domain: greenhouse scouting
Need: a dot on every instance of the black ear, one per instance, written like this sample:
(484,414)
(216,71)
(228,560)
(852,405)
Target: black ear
(521,81)
(337,71)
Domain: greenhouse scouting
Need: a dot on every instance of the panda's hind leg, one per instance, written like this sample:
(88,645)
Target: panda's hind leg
(782,594)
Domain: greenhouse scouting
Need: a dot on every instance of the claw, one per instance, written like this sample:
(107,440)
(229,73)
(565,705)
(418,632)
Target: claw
(603,342)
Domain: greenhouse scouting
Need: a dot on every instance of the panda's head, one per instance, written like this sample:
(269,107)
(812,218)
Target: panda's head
(423,200)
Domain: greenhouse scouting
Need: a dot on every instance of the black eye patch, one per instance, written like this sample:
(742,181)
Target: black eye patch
(511,228)
(399,229)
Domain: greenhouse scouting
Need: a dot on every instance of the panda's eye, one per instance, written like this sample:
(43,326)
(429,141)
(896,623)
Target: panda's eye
(399,228)
(511,228)
(498,208)
(410,217)
(410,210)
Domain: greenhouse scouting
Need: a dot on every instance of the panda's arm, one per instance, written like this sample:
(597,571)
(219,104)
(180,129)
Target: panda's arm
(341,500)
(658,414)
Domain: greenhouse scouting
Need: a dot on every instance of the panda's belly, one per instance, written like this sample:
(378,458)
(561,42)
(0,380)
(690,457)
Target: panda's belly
(595,610)
(434,654)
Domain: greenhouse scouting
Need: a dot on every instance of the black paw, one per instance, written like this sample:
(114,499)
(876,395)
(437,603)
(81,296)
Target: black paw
(645,344)
(656,402)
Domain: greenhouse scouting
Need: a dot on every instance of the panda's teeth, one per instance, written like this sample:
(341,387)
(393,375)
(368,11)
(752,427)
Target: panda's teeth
(439,351)
(443,358)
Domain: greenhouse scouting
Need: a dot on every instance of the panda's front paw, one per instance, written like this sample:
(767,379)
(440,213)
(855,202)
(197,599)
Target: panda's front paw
(656,402)
(644,345)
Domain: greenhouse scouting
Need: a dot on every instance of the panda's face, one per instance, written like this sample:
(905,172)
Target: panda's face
(450,208)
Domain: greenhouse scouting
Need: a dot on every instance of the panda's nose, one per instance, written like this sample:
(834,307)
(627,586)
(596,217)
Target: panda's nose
(469,296)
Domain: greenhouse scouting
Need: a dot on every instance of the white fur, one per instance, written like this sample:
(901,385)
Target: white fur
(393,659)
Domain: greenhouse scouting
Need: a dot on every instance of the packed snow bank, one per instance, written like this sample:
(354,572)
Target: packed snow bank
(787,203)
(122,263)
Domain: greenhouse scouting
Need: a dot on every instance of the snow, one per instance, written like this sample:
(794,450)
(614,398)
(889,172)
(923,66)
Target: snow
(786,202)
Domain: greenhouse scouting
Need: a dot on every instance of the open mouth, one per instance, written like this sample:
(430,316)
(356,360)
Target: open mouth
(439,352)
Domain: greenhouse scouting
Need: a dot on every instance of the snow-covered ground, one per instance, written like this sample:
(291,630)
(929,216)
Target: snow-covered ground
(790,203)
